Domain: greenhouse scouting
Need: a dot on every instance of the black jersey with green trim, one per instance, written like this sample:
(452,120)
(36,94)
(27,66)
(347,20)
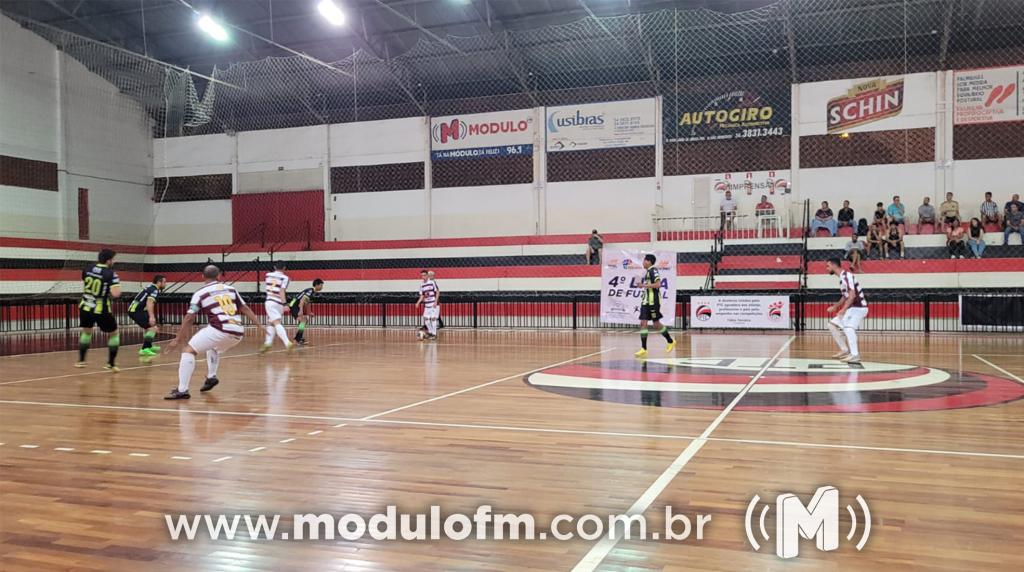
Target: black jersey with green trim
(140,300)
(96,284)
(652,296)
(297,300)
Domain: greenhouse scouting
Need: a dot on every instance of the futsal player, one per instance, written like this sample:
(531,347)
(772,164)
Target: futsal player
(299,308)
(100,287)
(430,298)
(650,307)
(849,312)
(276,285)
(143,312)
(221,305)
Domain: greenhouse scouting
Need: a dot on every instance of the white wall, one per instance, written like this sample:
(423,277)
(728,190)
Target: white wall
(484,211)
(623,205)
(864,186)
(53,109)
(379,142)
(378,216)
(192,222)
(971,179)
(193,155)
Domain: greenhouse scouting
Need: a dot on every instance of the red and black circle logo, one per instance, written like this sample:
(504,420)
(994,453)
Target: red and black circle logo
(805,385)
(704,312)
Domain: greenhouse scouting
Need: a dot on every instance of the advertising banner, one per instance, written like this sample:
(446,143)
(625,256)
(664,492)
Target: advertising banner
(755,312)
(622,273)
(867,104)
(737,114)
(988,95)
(482,135)
(604,125)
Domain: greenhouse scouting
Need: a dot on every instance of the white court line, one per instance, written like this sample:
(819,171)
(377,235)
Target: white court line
(170,410)
(163,364)
(64,449)
(220,459)
(257,449)
(286,440)
(182,458)
(478,386)
(317,432)
(138,454)
(100,451)
(29,446)
(599,551)
(997,368)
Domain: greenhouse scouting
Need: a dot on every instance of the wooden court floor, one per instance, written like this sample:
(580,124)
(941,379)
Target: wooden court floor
(929,432)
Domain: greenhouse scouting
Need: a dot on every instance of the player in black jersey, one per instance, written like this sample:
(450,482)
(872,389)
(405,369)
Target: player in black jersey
(142,311)
(650,306)
(299,308)
(100,287)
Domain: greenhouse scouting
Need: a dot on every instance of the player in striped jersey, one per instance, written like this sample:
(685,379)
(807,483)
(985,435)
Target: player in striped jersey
(221,305)
(430,298)
(850,311)
(142,311)
(276,285)
(299,308)
(100,287)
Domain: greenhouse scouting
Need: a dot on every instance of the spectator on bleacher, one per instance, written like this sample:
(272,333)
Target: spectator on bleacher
(989,210)
(845,216)
(976,237)
(950,212)
(894,239)
(594,245)
(875,239)
(728,209)
(765,207)
(880,216)
(1014,200)
(955,241)
(896,210)
(862,227)
(854,252)
(926,214)
(1014,224)
(823,219)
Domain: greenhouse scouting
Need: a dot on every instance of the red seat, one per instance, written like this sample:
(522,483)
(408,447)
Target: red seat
(926,228)
(822,231)
(845,231)
(992,227)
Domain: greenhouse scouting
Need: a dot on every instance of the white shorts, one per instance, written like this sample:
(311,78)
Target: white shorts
(210,338)
(275,311)
(851,318)
(432,313)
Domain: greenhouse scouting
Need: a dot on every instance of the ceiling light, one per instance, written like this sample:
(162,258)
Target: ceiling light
(214,29)
(331,12)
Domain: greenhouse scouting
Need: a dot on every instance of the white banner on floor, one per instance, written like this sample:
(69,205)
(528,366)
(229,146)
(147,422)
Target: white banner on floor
(622,273)
(758,312)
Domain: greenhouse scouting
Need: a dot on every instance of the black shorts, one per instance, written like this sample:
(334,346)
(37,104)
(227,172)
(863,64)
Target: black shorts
(105,321)
(650,313)
(951,220)
(294,311)
(140,318)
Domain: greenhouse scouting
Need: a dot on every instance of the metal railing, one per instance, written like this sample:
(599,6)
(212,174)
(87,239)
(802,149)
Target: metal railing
(975,311)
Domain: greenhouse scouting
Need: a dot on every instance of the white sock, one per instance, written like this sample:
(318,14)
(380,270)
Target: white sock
(269,339)
(282,333)
(432,327)
(837,334)
(185,368)
(212,362)
(851,338)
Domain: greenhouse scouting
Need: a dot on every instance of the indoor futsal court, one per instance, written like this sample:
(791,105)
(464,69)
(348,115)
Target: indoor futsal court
(511,285)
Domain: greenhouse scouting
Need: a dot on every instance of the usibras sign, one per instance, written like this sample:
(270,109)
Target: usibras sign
(606,125)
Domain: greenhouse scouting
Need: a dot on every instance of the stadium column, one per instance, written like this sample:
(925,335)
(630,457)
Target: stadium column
(328,204)
(64,230)
(659,157)
(943,136)
(540,170)
(428,179)
(794,157)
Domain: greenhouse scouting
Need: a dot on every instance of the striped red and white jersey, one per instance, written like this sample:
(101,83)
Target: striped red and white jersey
(220,304)
(849,286)
(429,291)
(276,283)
